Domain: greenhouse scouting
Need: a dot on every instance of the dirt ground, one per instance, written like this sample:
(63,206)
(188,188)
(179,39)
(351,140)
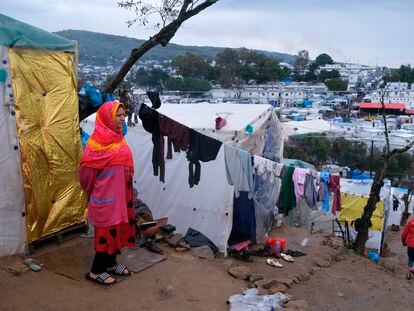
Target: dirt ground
(328,278)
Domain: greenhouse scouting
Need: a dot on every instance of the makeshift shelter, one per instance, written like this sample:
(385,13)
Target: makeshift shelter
(354,196)
(39,136)
(207,207)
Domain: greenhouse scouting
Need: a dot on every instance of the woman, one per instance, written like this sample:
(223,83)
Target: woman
(407,239)
(106,173)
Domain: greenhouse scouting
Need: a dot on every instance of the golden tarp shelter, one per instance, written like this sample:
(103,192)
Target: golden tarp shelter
(39,136)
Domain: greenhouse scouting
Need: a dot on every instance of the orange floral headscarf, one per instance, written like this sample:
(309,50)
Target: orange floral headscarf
(107,146)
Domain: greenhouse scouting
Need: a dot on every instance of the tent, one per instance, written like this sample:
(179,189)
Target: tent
(354,196)
(207,207)
(39,136)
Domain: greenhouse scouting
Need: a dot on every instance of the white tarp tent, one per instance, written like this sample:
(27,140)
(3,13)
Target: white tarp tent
(292,128)
(207,207)
(12,204)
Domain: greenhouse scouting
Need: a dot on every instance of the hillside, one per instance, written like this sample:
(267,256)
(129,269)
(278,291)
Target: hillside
(100,48)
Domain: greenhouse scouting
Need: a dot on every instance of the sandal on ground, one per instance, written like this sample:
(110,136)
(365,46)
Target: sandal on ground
(288,258)
(33,265)
(274,263)
(100,279)
(120,269)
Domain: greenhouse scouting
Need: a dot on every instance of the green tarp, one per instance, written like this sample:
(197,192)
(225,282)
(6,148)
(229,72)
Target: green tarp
(18,34)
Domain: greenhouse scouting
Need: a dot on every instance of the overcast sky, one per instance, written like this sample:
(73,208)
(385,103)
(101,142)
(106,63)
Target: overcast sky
(365,31)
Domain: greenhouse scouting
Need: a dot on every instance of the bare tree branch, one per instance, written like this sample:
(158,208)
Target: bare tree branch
(400,150)
(387,140)
(163,37)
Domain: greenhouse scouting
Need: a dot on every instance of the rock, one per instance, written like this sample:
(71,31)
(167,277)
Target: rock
(296,279)
(300,305)
(323,263)
(173,239)
(180,249)
(263,291)
(304,276)
(166,292)
(315,269)
(282,288)
(184,244)
(339,258)
(339,294)
(239,272)
(288,281)
(255,277)
(267,283)
(203,252)
(159,237)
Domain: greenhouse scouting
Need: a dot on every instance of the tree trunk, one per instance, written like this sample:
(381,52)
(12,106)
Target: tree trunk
(363,224)
(405,214)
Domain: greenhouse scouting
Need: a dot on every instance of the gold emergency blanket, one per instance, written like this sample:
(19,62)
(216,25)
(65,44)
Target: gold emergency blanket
(352,208)
(45,95)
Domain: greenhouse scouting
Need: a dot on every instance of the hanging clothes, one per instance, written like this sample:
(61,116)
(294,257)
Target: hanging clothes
(310,192)
(265,197)
(326,194)
(239,170)
(299,176)
(201,148)
(150,122)
(244,219)
(177,133)
(279,172)
(287,192)
(334,185)
(265,168)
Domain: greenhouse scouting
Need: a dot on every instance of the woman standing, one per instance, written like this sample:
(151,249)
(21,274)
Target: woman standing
(106,174)
(407,239)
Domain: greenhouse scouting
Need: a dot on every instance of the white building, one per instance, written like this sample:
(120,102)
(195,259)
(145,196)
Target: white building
(279,94)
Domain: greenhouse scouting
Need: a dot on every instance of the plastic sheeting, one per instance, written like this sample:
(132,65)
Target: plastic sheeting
(201,117)
(352,207)
(45,95)
(207,208)
(12,221)
(14,34)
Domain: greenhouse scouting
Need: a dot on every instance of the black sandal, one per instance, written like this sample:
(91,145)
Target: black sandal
(119,270)
(100,279)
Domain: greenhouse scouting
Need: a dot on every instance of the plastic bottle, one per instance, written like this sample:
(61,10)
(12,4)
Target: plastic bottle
(305,242)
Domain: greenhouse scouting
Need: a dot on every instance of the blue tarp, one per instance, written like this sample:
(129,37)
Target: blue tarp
(307,102)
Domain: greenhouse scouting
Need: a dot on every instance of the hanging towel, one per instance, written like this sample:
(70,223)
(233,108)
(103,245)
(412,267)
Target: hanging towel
(326,194)
(238,170)
(334,185)
(299,176)
(287,193)
(310,192)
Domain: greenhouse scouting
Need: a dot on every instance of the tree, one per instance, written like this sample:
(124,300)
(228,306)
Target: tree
(187,84)
(336,84)
(227,61)
(171,15)
(363,223)
(191,65)
(301,62)
(323,59)
(325,75)
(153,78)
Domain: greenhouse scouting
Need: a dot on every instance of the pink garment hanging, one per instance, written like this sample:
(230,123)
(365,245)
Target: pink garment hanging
(299,177)
(334,185)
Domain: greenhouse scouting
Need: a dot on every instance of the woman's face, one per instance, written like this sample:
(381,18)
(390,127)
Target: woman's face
(120,117)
